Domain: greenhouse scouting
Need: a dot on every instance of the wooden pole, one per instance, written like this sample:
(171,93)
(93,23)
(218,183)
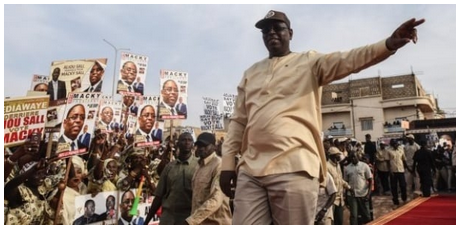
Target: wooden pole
(59,204)
(49,146)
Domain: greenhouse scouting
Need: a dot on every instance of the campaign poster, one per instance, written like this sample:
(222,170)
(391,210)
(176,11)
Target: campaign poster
(54,117)
(211,106)
(146,122)
(173,95)
(206,122)
(127,212)
(132,74)
(228,104)
(77,127)
(22,117)
(68,76)
(109,117)
(101,209)
(40,83)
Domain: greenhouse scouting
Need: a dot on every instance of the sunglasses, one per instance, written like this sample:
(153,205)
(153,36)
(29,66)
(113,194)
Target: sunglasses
(277,28)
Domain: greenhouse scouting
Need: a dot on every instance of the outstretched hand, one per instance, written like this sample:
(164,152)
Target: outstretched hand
(404,34)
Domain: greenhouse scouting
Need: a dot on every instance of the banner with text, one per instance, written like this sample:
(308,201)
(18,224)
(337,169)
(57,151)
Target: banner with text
(68,76)
(228,104)
(23,116)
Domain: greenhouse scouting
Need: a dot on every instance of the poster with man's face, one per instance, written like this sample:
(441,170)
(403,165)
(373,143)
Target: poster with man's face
(101,208)
(40,83)
(146,122)
(109,117)
(132,74)
(173,95)
(75,76)
(77,127)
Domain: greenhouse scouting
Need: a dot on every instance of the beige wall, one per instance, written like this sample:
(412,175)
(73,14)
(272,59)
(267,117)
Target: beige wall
(365,108)
(329,118)
(407,111)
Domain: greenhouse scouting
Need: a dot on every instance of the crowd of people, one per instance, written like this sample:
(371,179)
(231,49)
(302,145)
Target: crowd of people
(401,168)
(273,147)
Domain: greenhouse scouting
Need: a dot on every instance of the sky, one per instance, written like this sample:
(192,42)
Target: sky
(215,44)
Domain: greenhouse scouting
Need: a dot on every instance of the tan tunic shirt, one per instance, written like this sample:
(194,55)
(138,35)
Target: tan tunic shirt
(396,158)
(336,173)
(209,204)
(276,123)
(382,160)
(409,151)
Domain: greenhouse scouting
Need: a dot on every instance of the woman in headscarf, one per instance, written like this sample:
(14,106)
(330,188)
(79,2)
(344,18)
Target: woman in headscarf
(75,187)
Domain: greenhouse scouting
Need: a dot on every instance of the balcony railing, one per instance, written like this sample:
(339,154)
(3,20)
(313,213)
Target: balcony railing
(393,129)
(339,132)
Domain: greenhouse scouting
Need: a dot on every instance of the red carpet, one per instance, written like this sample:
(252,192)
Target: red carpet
(437,210)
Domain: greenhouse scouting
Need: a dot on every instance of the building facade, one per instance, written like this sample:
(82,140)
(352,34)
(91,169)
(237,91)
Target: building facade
(380,106)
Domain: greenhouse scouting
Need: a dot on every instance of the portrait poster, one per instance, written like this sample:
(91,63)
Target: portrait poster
(22,117)
(68,76)
(126,207)
(129,104)
(173,95)
(109,116)
(146,121)
(132,74)
(39,83)
(77,128)
(101,209)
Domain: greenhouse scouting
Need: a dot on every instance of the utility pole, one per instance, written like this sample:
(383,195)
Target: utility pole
(115,65)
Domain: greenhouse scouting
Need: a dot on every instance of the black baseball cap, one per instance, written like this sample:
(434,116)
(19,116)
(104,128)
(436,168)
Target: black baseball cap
(205,139)
(273,15)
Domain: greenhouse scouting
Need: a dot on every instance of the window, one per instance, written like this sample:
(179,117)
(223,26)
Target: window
(367,123)
(395,86)
(335,97)
(338,125)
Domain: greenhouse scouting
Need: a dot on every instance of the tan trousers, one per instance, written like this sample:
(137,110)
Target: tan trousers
(283,199)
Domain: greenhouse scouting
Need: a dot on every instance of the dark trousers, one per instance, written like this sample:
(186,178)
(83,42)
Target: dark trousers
(384,180)
(425,181)
(398,178)
(338,215)
(358,207)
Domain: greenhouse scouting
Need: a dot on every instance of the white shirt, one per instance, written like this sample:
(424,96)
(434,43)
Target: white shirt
(55,85)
